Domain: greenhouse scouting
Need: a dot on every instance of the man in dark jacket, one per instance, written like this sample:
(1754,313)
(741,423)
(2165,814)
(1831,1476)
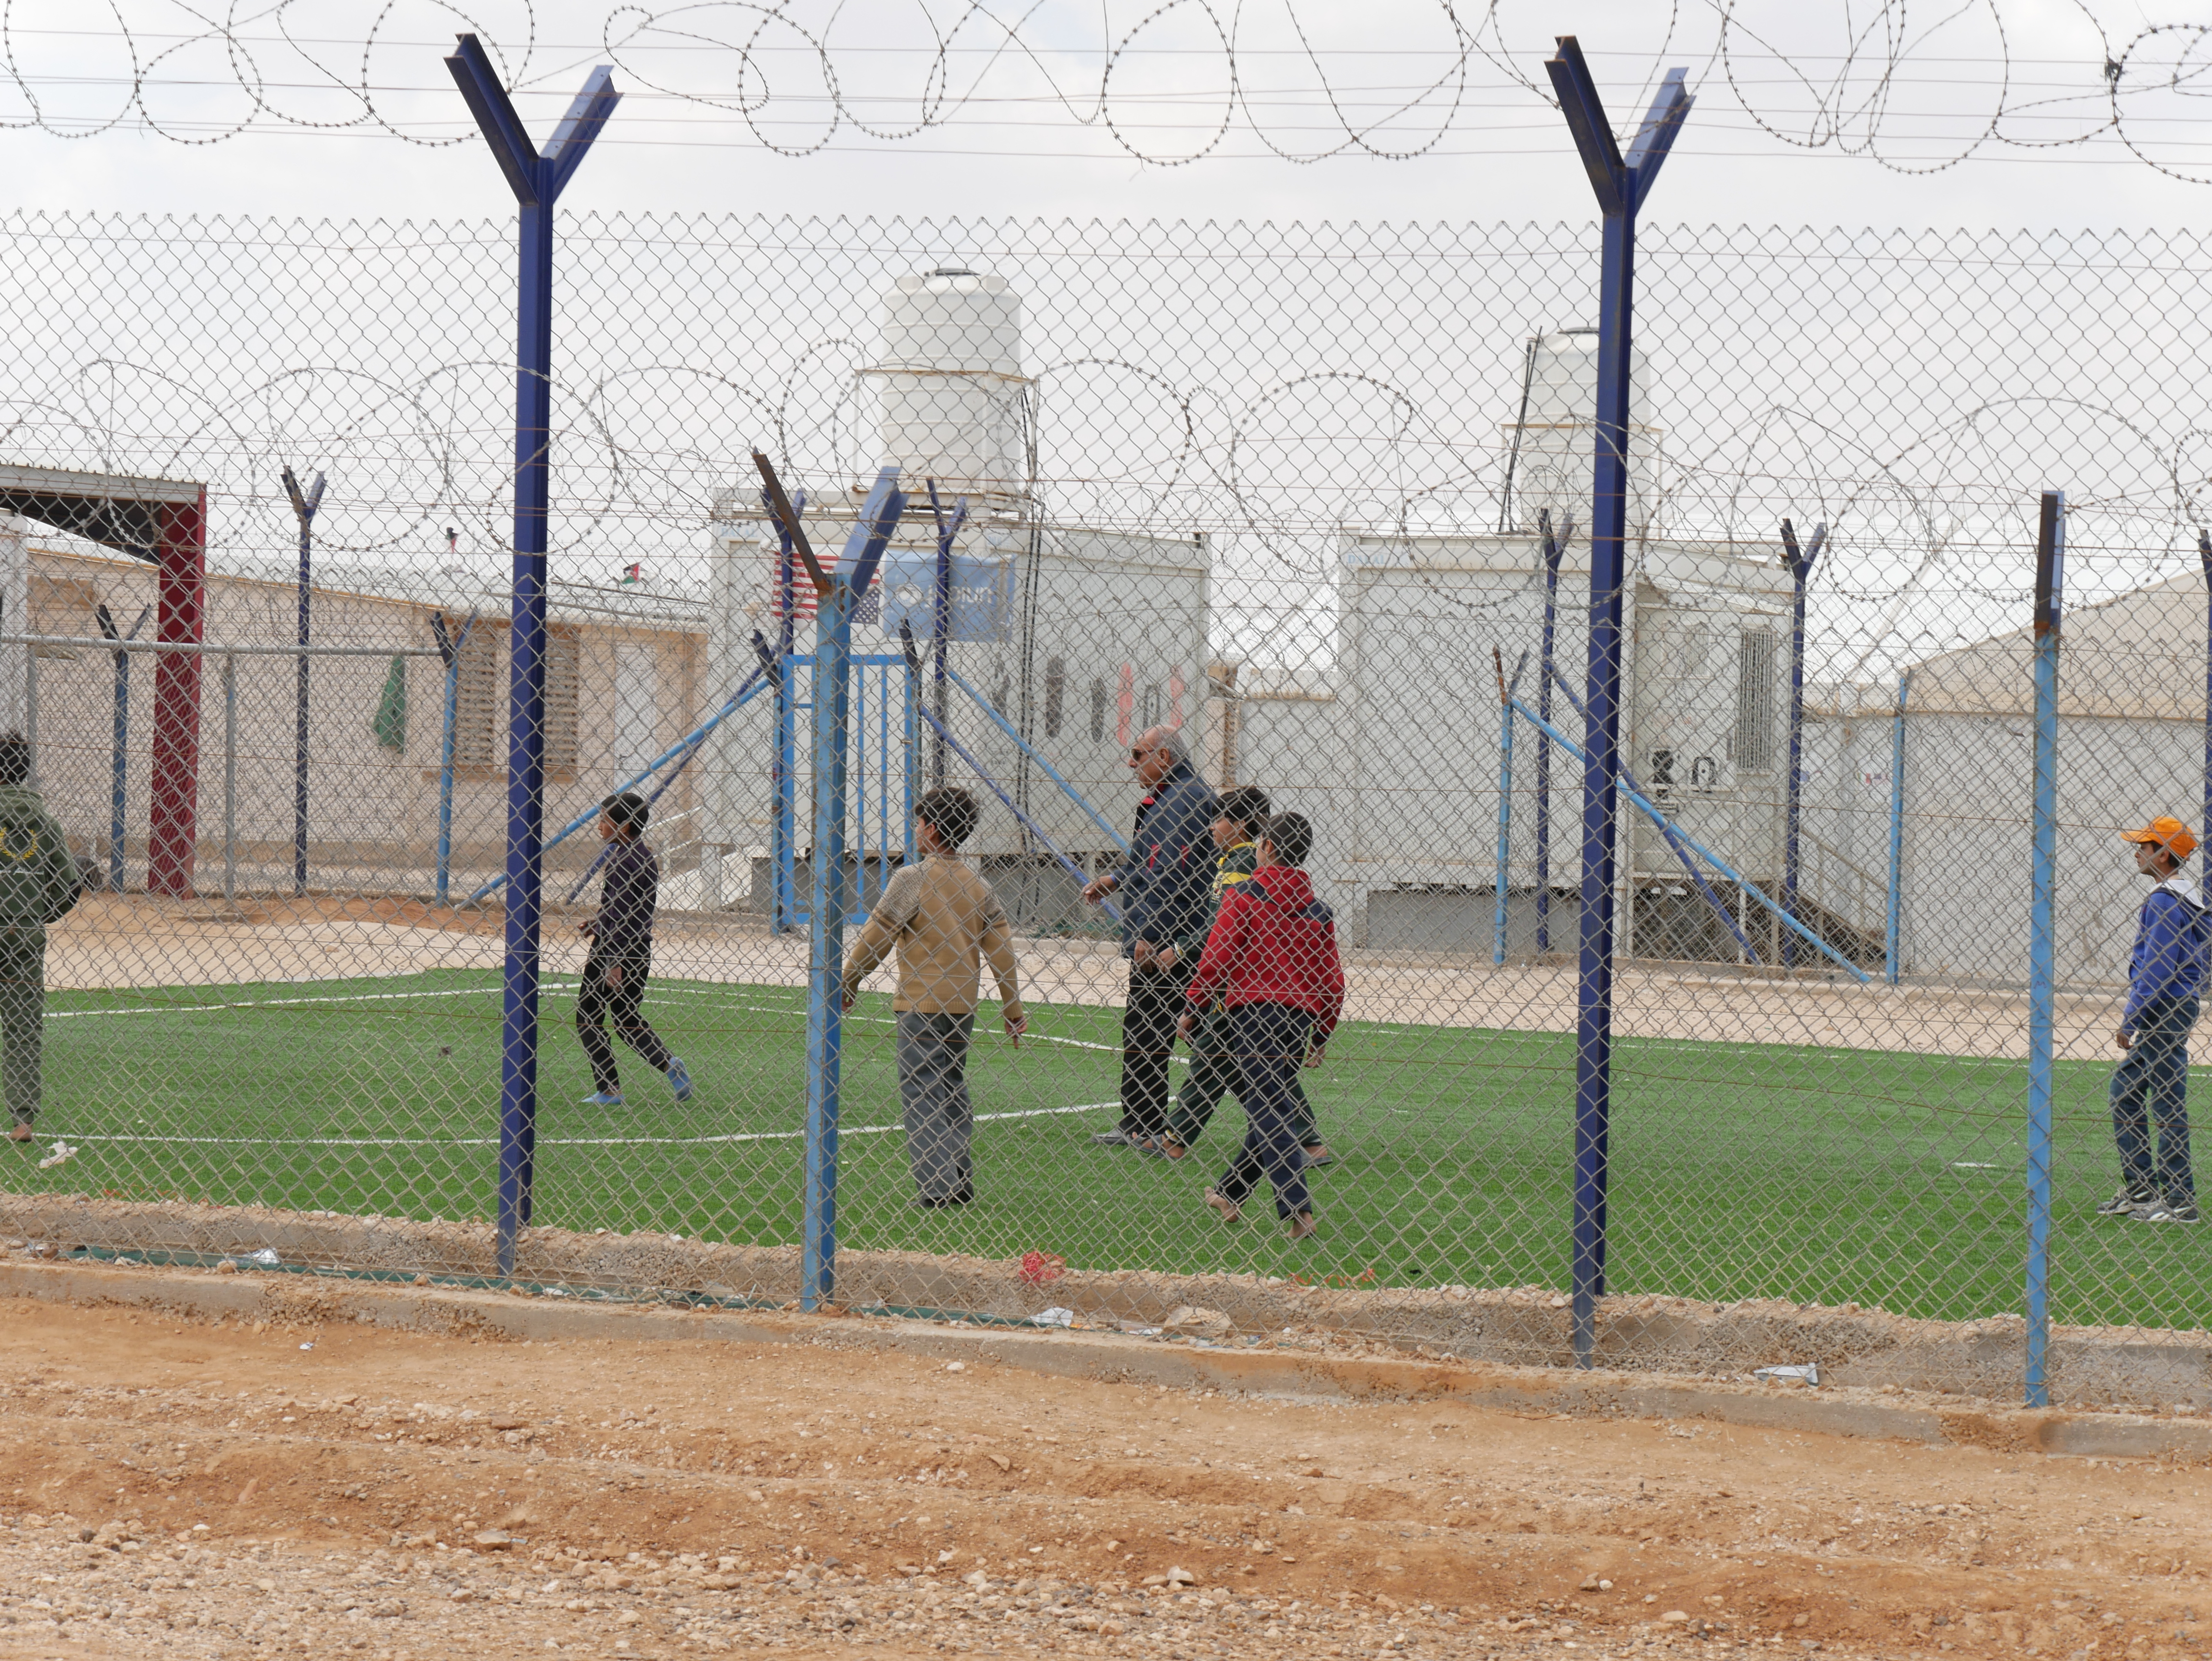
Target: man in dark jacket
(1165,889)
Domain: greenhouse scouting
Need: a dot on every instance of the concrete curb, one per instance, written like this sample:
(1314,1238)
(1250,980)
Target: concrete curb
(1118,1358)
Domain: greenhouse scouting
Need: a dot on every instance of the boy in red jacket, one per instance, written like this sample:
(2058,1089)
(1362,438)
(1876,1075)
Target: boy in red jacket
(1272,957)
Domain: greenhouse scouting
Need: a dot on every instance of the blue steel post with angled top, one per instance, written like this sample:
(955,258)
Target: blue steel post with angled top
(1554,546)
(536,178)
(783,779)
(836,596)
(450,647)
(1621,185)
(304,504)
(118,759)
(1893,926)
(2050,590)
(1501,917)
(1800,572)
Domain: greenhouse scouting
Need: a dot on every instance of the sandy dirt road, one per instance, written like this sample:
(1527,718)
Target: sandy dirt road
(171,1487)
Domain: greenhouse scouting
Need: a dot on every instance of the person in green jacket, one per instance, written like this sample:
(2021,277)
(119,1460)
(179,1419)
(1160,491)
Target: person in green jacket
(1244,811)
(39,882)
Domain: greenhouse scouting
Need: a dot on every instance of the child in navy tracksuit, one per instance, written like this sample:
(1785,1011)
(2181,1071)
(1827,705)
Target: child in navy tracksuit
(2166,972)
(1271,958)
(621,958)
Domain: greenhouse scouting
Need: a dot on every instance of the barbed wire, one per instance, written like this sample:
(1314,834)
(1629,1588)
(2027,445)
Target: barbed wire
(1166,84)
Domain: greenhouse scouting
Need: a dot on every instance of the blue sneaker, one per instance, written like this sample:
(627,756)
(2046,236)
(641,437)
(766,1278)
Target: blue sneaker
(678,1080)
(603,1099)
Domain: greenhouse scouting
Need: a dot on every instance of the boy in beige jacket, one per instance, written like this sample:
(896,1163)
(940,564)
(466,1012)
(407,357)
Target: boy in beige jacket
(944,920)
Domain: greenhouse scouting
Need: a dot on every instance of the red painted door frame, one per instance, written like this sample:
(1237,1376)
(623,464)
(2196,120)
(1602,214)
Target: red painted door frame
(173,814)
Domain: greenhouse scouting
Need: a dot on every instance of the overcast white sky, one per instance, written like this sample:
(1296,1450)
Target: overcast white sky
(1026,137)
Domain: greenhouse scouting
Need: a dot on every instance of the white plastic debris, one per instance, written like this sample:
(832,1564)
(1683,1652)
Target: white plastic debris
(1055,1317)
(1810,1372)
(62,1154)
(266,1256)
(306,1347)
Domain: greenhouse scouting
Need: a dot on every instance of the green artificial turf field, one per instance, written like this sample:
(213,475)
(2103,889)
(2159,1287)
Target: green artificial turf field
(1819,1175)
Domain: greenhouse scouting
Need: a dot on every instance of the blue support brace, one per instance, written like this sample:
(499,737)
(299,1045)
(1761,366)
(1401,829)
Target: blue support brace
(944,737)
(2049,589)
(1800,572)
(1685,845)
(1893,927)
(537,178)
(1104,827)
(1620,186)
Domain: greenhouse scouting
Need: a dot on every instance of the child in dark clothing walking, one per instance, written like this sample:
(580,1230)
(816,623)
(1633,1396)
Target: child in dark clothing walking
(1271,959)
(621,958)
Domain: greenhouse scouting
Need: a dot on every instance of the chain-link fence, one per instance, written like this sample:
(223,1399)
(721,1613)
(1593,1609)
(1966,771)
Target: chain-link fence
(1279,492)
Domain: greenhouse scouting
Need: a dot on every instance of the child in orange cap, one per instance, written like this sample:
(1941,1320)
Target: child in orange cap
(2166,971)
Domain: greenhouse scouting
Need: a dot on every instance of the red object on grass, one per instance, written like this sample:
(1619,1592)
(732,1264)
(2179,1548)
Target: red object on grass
(1039,1267)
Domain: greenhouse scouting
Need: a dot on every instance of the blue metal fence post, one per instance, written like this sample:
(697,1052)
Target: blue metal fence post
(2050,587)
(450,647)
(941,625)
(119,760)
(1801,571)
(783,771)
(836,597)
(1504,802)
(536,178)
(1621,185)
(1892,929)
(304,504)
(1554,546)
(911,709)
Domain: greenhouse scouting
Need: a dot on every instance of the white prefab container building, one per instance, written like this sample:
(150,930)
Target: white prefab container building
(1396,752)
(2131,748)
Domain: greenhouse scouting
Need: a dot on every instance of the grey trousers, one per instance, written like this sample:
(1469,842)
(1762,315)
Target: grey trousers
(933,1064)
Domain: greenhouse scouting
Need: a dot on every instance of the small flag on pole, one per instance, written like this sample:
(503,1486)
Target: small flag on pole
(633,576)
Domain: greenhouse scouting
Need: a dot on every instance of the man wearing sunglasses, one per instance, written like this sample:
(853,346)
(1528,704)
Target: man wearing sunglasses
(1165,887)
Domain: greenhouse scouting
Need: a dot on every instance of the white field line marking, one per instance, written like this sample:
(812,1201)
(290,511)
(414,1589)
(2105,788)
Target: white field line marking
(660,995)
(272,1003)
(592,1141)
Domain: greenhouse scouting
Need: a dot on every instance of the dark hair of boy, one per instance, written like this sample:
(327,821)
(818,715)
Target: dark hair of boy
(628,811)
(1292,837)
(950,811)
(14,759)
(1247,806)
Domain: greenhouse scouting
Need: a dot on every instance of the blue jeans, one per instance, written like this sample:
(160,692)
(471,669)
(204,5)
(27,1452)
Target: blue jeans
(1269,1041)
(2151,1086)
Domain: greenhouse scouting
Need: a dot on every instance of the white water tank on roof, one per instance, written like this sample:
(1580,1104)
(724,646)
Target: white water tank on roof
(954,401)
(1551,442)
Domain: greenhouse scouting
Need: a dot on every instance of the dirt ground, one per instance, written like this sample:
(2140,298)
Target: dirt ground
(170,1488)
